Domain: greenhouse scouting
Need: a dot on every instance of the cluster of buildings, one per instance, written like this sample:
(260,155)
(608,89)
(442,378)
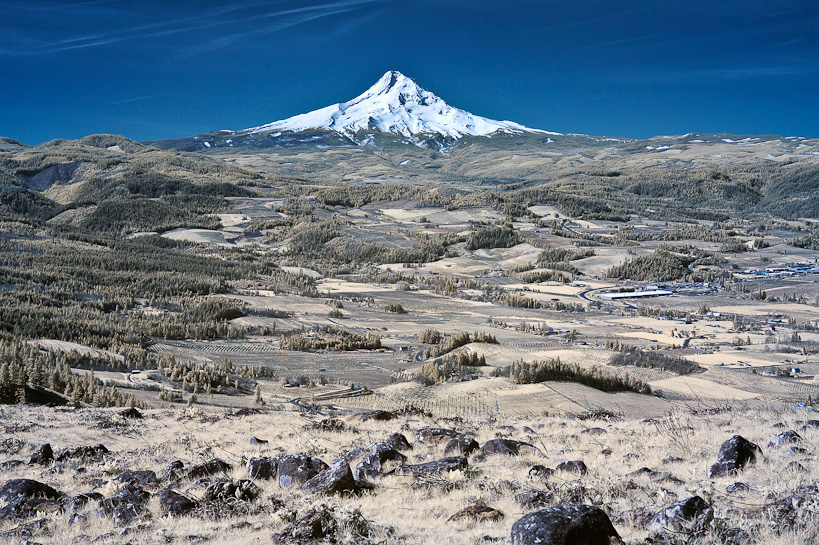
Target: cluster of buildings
(784,271)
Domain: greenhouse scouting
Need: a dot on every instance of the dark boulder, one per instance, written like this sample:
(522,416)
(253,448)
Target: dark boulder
(691,515)
(452,463)
(125,514)
(130,494)
(509,447)
(734,454)
(263,467)
(398,442)
(377,460)
(126,505)
(241,489)
(131,413)
(336,479)
(577,467)
(540,472)
(534,499)
(733,488)
(28,489)
(258,442)
(42,456)
(298,469)
(212,467)
(566,524)
(175,503)
(81,500)
(462,445)
(435,436)
(141,477)
(785,438)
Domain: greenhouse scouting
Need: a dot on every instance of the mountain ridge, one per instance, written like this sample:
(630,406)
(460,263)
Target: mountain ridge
(395,104)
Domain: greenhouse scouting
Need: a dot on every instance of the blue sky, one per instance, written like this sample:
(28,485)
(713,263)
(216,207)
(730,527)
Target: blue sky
(604,67)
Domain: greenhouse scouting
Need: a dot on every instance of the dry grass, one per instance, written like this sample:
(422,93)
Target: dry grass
(398,511)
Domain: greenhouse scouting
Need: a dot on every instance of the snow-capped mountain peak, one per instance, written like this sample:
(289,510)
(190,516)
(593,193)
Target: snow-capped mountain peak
(396,104)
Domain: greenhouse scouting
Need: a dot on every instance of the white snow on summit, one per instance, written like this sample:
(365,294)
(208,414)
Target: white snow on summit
(396,104)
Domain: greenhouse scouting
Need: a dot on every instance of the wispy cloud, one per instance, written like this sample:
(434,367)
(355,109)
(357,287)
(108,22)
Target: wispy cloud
(241,15)
(727,74)
(146,97)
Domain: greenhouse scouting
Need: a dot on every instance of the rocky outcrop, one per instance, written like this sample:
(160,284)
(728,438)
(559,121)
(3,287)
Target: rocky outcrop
(336,479)
(297,469)
(452,463)
(509,447)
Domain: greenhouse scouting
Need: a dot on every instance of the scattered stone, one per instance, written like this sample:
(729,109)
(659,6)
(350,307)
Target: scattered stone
(317,523)
(630,456)
(462,445)
(131,413)
(11,464)
(478,512)
(328,425)
(142,477)
(242,489)
(594,431)
(452,463)
(540,472)
(779,426)
(509,447)
(378,416)
(175,503)
(785,438)
(247,411)
(256,441)
(337,479)
(529,431)
(212,467)
(691,515)
(573,466)
(264,467)
(43,456)
(734,454)
(795,467)
(126,505)
(673,460)
(534,499)
(435,436)
(795,451)
(809,425)
(87,451)
(298,469)
(606,451)
(566,524)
